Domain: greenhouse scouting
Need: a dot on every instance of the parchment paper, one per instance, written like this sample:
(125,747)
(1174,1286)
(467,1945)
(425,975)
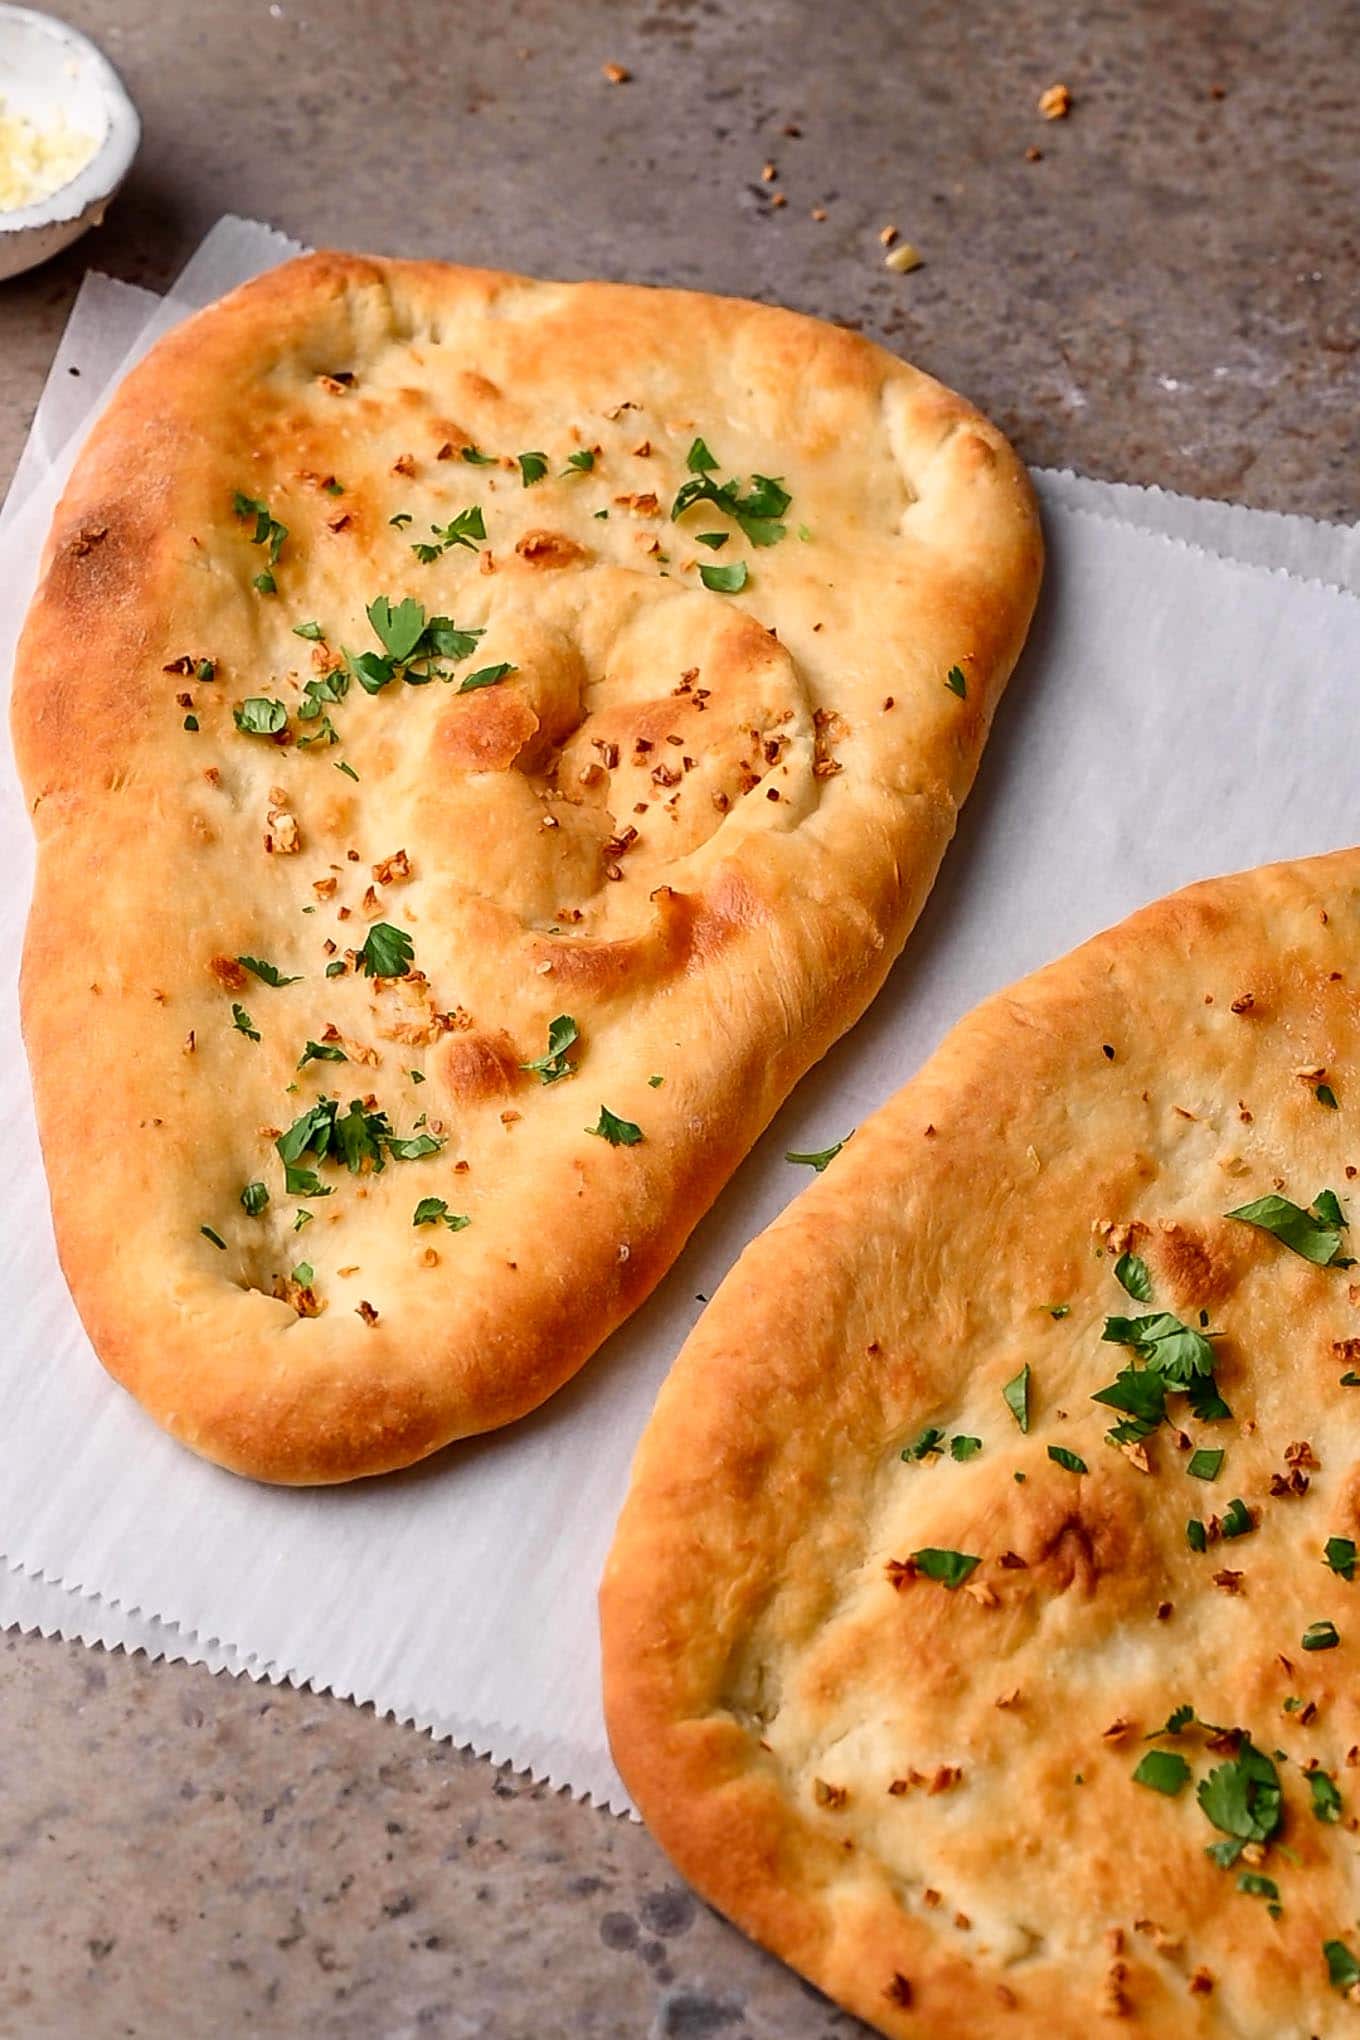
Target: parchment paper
(1176,714)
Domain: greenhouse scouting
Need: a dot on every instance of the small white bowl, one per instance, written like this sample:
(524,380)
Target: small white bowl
(48,69)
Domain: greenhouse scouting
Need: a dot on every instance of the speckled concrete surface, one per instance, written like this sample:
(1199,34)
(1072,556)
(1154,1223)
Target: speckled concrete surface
(1171,293)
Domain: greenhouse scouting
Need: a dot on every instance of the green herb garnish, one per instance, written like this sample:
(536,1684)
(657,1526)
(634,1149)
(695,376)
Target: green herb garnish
(243,1023)
(956,681)
(486,676)
(268,531)
(321,1051)
(532,467)
(950,1568)
(1060,1456)
(1327,1802)
(1244,1800)
(254,1198)
(434,1211)
(1131,1273)
(930,1440)
(267,973)
(1164,1771)
(1325,1095)
(1320,1636)
(618,1132)
(260,717)
(216,1238)
(563,1034)
(1339,1553)
(725,580)
(822,1158)
(580,463)
(387,951)
(1204,1464)
(1343,1970)
(312,631)
(1016,1397)
(1315,1234)
(964,1447)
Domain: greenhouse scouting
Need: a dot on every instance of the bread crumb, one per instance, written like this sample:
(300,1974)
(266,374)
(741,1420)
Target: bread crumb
(902,258)
(886,236)
(1055,103)
(616,74)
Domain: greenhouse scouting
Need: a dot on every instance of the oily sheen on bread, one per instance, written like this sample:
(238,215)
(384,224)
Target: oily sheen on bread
(369,656)
(992,1723)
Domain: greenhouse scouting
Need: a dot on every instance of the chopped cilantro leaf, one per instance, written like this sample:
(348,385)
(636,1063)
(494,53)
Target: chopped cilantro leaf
(930,1440)
(1196,1536)
(268,531)
(1204,1464)
(1164,1771)
(254,1198)
(618,1132)
(1339,1553)
(1350,1379)
(1237,1518)
(1320,1636)
(311,631)
(1140,1392)
(474,457)
(1243,1797)
(1060,1456)
(725,580)
(1327,1801)
(414,1149)
(1016,1397)
(486,676)
(950,1568)
(265,584)
(387,951)
(267,973)
(243,1023)
(1325,1095)
(699,460)
(963,1447)
(399,626)
(956,681)
(656,1082)
(336,969)
(1175,1350)
(821,1158)
(321,1051)
(260,717)
(402,518)
(1257,1886)
(216,1238)
(1058,1310)
(580,462)
(714,540)
(532,467)
(434,1211)
(1313,1234)
(1131,1273)
(191,722)
(1343,1970)
(563,1034)
(206,670)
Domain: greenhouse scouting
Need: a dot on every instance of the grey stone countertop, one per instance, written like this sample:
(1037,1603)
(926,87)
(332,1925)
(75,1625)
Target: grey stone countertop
(1170,293)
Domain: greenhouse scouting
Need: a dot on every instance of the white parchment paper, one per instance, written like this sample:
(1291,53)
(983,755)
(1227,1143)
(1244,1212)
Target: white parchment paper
(1176,714)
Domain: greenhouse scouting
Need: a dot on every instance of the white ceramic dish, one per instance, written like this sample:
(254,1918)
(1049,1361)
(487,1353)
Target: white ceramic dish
(48,69)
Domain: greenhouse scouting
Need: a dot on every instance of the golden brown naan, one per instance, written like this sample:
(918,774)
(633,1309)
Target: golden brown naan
(691,805)
(881,1665)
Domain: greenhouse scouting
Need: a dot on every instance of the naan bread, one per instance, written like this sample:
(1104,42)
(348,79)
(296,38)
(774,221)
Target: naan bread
(647,802)
(950,1712)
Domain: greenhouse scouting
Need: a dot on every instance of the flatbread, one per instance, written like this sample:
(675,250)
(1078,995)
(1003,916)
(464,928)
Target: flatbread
(912,1777)
(695,821)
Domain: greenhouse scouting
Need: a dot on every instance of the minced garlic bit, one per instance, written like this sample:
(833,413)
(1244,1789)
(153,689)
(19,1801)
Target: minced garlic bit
(903,257)
(1055,103)
(37,160)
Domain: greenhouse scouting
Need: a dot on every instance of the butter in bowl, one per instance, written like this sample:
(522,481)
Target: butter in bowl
(68,134)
